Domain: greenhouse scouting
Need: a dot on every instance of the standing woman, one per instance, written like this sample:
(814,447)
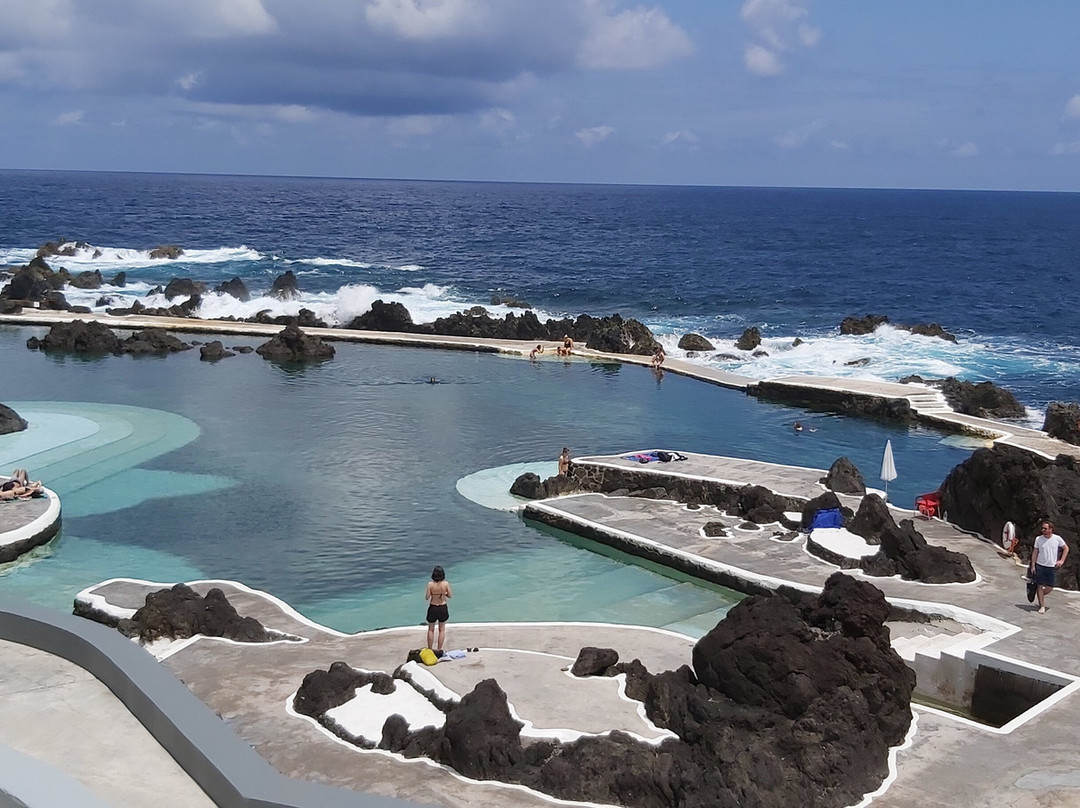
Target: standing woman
(437,593)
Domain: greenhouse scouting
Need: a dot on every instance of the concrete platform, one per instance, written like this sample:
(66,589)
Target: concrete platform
(28,523)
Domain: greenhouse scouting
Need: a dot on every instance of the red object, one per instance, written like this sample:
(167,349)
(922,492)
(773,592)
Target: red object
(928,504)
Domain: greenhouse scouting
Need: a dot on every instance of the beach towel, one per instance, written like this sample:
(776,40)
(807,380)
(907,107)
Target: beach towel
(830,517)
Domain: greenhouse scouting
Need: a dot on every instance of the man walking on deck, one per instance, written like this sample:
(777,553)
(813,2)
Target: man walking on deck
(1050,553)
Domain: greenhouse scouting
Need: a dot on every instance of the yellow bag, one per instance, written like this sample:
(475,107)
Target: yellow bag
(427,656)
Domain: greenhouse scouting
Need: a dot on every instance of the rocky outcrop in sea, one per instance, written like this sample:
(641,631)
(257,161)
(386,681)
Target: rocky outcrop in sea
(870,323)
(789,700)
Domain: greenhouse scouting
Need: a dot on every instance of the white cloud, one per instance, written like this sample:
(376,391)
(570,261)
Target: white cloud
(839,145)
(761,61)
(414,125)
(679,137)
(594,135)
(1066,148)
(284,113)
(69,118)
(797,138)
(424,19)
(632,39)
(1072,107)
(188,81)
(954,149)
(499,121)
(776,27)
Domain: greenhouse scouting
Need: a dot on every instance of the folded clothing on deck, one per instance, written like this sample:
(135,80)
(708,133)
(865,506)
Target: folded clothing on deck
(660,455)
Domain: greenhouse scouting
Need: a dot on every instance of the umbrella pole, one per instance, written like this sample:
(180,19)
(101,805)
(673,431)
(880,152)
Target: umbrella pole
(886,490)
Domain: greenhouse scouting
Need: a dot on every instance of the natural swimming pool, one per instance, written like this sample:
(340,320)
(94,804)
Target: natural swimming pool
(334,486)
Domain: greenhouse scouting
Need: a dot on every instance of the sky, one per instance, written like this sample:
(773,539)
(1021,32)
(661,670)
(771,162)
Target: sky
(981,94)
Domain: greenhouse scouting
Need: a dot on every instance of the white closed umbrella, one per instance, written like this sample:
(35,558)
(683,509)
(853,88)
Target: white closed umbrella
(888,467)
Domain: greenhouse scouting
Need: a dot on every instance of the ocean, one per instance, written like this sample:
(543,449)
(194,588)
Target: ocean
(338,486)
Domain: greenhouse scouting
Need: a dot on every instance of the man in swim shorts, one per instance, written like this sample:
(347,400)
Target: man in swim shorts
(1050,553)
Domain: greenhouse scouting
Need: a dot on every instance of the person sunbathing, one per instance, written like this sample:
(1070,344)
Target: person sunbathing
(20,486)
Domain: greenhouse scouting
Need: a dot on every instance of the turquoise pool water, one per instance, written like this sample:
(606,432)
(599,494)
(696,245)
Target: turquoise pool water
(338,486)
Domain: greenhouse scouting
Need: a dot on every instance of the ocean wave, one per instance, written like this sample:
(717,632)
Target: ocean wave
(337,308)
(347,263)
(91,257)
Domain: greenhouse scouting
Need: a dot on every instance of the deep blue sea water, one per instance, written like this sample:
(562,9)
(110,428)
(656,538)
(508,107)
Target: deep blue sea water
(333,486)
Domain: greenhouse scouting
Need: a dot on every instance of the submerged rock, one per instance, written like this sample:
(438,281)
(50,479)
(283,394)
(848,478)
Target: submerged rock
(10,421)
(213,351)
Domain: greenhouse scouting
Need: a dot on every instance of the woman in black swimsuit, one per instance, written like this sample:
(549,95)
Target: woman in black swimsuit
(437,594)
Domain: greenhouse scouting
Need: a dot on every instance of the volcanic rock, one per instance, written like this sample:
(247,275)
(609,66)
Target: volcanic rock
(180,612)
(930,330)
(843,402)
(213,351)
(906,553)
(32,282)
(593,661)
(1062,421)
(983,400)
(870,323)
(10,421)
(293,345)
(862,325)
(823,502)
(844,478)
(790,702)
(750,339)
(325,690)
(152,341)
(119,280)
(383,317)
(285,286)
(483,739)
(87,280)
(715,530)
(695,342)
(183,287)
(170,251)
(872,519)
(78,336)
(1003,483)
(63,248)
(234,287)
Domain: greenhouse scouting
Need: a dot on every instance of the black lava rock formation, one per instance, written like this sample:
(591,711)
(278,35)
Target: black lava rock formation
(1006,484)
(790,700)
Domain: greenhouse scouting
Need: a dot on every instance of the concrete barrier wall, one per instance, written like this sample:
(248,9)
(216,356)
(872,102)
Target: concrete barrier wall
(230,772)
